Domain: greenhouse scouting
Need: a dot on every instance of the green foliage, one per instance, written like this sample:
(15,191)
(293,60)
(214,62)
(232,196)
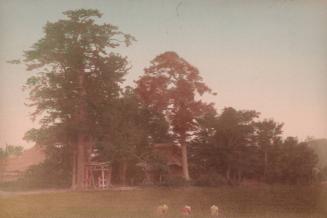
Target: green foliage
(78,77)
(71,48)
(234,145)
(46,175)
(225,144)
(210,179)
(323,173)
(129,131)
(320,148)
(76,93)
(127,125)
(175,181)
(291,162)
(268,132)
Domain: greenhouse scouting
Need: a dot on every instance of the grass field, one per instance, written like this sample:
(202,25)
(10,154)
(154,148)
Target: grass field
(269,202)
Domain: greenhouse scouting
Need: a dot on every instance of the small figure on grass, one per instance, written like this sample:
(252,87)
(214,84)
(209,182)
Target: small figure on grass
(214,211)
(162,209)
(186,210)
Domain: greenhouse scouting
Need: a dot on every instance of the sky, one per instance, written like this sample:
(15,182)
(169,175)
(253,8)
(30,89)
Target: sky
(270,56)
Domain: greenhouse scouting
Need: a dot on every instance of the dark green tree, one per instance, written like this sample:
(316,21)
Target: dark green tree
(267,133)
(320,148)
(78,76)
(128,131)
(225,144)
(291,162)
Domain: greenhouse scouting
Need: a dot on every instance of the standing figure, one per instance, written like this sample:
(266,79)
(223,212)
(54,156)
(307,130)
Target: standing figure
(214,211)
(162,209)
(186,210)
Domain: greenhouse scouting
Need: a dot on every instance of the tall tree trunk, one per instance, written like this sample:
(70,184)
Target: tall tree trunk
(123,172)
(228,176)
(109,175)
(265,164)
(81,138)
(239,176)
(74,171)
(80,162)
(185,162)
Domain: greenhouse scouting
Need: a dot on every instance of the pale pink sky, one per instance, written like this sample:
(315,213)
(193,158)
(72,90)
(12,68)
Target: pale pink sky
(270,56)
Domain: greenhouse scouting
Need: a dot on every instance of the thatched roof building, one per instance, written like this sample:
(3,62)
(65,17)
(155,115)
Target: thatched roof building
(13,166)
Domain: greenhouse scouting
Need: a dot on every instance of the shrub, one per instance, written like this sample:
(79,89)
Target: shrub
(175,181)
(210,180)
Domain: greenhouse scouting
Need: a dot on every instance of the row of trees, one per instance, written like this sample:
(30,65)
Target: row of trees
(82,108)
(235,144)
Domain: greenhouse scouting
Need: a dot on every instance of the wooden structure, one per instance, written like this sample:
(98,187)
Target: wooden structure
(98,175)
(170,154)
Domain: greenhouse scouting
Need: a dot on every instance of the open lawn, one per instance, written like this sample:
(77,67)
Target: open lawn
(268,202)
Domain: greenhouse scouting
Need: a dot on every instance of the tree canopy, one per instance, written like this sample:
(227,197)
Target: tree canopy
(171,85)
(79,75)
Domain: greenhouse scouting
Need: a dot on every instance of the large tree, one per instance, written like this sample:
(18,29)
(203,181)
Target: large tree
(78,76)
(268,132)
(128,129)
(171,86)
(226,144)
(291,161)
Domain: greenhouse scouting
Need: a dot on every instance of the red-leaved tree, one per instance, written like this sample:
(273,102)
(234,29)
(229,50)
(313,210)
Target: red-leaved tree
(172,86)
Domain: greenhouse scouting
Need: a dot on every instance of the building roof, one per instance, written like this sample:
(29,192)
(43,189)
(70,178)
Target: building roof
(16,164)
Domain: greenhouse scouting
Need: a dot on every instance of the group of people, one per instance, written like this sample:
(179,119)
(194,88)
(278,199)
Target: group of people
(186,210)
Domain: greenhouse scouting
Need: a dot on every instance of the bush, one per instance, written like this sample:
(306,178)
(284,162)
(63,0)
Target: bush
(45,175)
(323,174)
(210,180)
(175,181)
